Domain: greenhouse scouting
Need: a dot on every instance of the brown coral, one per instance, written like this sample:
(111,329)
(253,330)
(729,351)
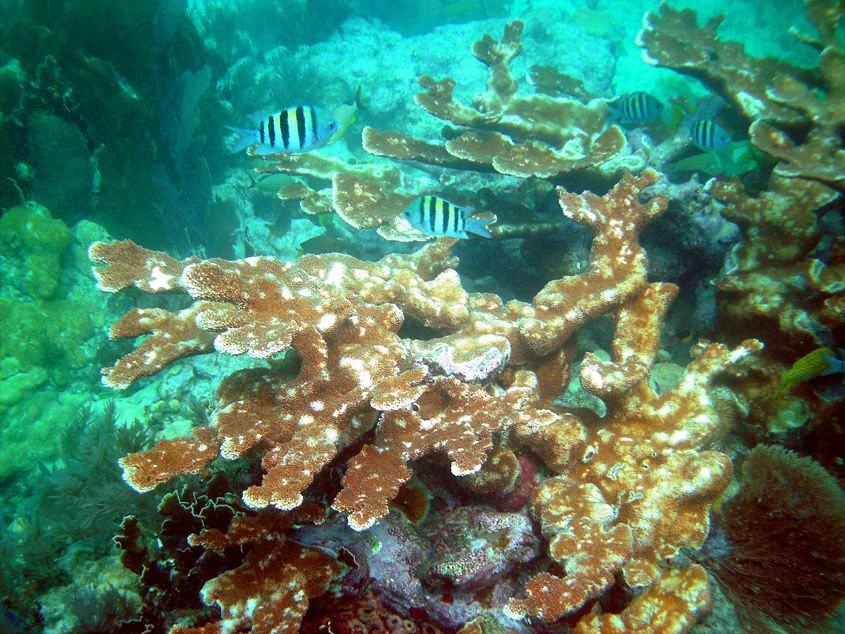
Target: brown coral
(504,132)
(673,39)
(640,492)
(270,591)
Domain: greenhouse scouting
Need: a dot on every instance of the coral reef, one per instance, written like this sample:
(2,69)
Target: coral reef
(369,396)
(503,131)
(770,284)
(510,435)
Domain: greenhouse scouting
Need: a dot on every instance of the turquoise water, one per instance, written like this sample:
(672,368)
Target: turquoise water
(434,316)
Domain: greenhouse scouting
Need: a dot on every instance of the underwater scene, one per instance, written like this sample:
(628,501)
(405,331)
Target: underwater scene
(422,317)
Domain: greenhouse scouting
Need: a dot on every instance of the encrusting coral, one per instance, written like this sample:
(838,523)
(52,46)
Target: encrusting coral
(343,316)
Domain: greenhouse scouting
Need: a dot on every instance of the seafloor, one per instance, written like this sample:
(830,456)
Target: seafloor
(244,392)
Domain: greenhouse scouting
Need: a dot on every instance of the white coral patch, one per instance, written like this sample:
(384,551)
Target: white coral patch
(753,106)
(326,321)
(680,436)
(335,274)
(159,280)
(592,375)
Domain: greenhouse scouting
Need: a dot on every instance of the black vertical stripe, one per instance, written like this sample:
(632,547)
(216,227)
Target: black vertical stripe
(421,218)
(432,213)
(710,130)
(271,131)
(300,126)
(447,209)
(457,212)
(261,131)
(313,124)
(285,130)
(638,106)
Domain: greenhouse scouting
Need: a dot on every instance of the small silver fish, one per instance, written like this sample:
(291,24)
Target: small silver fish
(708,136)
(294,130)
(636,107)
(438,217)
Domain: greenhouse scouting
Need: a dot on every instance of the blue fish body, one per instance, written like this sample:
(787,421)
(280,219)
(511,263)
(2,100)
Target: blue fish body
(708,136)
(294,130)
(438,217)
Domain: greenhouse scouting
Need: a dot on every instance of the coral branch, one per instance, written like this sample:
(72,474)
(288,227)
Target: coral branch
(635,345)
(647,459)
(127,265)
(673,39)
(172,336)
(617,263)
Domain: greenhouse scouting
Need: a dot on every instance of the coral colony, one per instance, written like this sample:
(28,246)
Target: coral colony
(394,452)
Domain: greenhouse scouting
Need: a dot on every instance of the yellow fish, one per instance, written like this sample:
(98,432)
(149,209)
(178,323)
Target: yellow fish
(819,362)
(346,114)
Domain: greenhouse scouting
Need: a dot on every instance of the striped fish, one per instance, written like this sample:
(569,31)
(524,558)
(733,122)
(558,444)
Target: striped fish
(708,136)
(636,107)
(820,362)
(438,217)
(293,130)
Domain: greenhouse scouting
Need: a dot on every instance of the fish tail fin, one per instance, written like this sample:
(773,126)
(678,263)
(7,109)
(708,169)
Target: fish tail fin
(243,138)
(614,112)
(360,101)
(478,226)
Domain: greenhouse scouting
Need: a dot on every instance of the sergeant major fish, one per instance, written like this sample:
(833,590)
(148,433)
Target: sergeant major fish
(636,107)
(708,136)
(294,130)
(438,217)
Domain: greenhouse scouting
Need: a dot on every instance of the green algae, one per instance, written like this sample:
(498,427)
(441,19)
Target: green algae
(41,239)
(46,320)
